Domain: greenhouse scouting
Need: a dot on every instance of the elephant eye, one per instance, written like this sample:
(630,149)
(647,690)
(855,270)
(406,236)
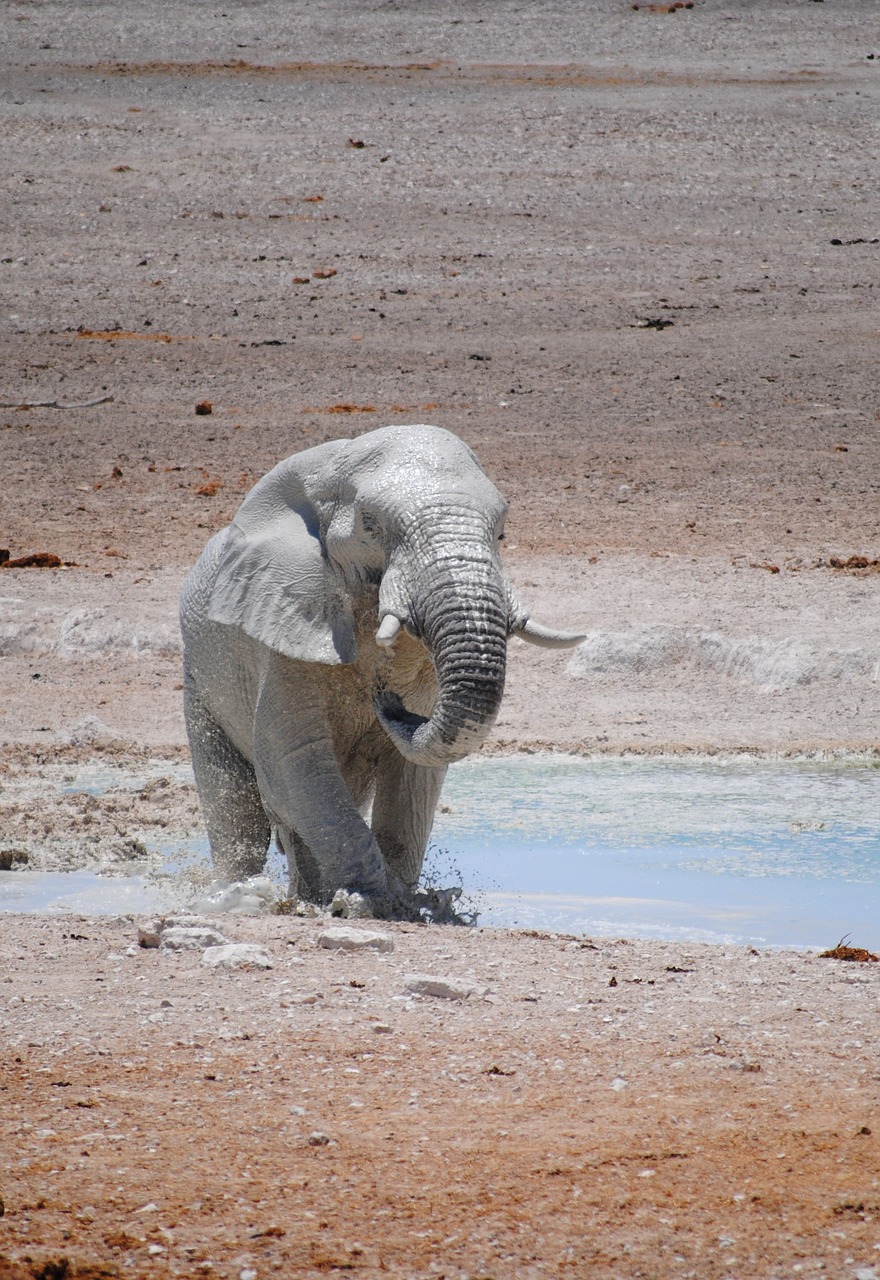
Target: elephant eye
(370,522)
(501,536)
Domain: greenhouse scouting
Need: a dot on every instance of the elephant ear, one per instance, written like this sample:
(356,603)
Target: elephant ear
(274,580)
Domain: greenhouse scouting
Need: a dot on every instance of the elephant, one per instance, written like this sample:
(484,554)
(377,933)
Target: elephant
(345,640)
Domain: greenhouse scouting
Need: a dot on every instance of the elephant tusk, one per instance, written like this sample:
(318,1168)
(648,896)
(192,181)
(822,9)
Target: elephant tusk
(546,637)
(388,629)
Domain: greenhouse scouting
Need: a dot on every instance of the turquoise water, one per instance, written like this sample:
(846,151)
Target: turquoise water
(773,853)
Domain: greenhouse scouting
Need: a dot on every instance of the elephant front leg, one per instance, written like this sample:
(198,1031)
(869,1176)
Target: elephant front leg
(304,792)
(403,814)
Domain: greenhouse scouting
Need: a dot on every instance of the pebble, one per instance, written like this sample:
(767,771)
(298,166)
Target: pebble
(318,1139)
(343,938)
(150,932)
(237,955)
(424,984)
(619,1083)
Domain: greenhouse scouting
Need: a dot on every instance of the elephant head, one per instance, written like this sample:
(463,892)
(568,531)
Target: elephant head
(404,521)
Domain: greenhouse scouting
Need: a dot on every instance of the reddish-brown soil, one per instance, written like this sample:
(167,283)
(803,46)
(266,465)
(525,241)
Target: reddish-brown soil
(606,1109)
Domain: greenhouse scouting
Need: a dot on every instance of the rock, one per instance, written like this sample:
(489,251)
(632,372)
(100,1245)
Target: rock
(318,1139)
(151,932)
(237,955)
(342,938)
(195,938)
(423,984)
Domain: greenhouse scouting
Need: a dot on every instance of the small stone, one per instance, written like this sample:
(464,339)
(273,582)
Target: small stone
(342,938)
(297,1111)
(423,984)
(247,1274)
(237,955)
(181,938)
(156,1248)
(318,1139)
(150,932)
(619,1083)
(382,1028)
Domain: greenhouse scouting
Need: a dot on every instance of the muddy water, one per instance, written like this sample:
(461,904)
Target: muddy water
(773,853)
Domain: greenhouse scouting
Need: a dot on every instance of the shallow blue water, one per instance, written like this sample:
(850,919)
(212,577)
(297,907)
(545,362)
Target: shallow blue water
(775,853)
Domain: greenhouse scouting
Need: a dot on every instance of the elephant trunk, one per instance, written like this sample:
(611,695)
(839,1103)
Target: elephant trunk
(463,620)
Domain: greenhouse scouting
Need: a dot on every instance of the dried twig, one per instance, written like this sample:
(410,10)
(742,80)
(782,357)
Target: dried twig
(53,404)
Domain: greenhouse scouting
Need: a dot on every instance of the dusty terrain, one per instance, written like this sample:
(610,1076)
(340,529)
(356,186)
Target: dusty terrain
(610,1109)
(630,255)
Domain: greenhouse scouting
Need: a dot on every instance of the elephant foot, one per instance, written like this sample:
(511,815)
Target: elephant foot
(399,904)
(425,906)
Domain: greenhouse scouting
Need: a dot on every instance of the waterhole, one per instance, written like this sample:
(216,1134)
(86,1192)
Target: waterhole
(729,850)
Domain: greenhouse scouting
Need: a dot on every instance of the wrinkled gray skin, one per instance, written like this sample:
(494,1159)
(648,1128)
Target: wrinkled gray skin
(345,640)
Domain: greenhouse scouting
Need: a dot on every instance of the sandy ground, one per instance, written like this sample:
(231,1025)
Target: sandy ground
(629,255)
(608,1109)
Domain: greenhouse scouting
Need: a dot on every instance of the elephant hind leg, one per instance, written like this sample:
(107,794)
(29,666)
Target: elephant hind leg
(238,829)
